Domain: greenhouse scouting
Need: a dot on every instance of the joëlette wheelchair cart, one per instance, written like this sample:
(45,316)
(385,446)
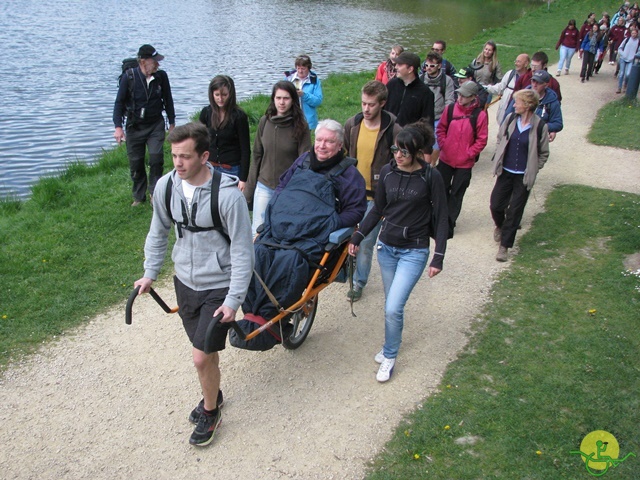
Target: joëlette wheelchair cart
(302,313)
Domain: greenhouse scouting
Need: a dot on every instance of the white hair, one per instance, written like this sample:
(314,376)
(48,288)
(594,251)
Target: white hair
(332,126)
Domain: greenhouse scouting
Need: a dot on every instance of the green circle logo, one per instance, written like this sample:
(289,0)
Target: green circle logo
(600,451)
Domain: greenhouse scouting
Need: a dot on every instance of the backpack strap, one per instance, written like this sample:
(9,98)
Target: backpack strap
(511,75)
(215,208)
(339,169)
(215,212)
(449,115)
(473,118)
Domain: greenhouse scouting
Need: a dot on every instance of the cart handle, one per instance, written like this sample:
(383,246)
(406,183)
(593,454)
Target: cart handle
(208,338)
(128,315)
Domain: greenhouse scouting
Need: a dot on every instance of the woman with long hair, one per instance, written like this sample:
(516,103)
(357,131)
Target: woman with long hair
(387,69)
(228,125)
(411,202)
(282,136)
(487,69)
(523,149)
(590,48)
(568,44)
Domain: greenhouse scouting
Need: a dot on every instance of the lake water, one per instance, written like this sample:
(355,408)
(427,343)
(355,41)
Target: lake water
(60,60)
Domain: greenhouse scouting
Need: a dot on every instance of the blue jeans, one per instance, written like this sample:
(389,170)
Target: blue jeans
(625,70)
(365,254)
(566,54)
(261,198)
(401,268)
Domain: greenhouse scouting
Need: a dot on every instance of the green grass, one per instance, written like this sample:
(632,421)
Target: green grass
(71,250)
(616,125)
(554,356)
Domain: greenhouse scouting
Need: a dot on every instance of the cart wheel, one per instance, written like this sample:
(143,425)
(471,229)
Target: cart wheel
(301,321)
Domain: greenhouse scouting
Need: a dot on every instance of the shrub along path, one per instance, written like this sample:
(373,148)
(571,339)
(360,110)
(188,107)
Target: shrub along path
(110,400)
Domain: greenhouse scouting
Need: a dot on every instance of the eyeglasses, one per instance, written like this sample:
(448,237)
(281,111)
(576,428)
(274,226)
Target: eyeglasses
(403,151)
(431,65)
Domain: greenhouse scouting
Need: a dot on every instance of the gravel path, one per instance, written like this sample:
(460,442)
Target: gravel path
(111,401)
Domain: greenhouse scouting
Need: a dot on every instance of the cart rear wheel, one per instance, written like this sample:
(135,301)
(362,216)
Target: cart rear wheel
(301,322)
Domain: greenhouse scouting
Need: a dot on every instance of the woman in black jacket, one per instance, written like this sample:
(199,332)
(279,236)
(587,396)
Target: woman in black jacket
(411,201)
(229,150)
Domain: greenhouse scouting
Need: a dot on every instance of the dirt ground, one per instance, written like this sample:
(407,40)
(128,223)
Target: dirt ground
(111,401)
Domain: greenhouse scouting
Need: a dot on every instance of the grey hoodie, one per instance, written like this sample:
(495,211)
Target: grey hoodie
(203,260)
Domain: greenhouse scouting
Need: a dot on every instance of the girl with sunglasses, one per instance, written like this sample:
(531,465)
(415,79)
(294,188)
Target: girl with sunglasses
(411,202)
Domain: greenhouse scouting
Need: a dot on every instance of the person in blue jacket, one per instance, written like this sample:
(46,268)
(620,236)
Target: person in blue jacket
(549,108)
(591,47)
(309,88)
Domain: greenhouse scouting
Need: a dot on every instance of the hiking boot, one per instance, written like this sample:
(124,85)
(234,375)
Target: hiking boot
(497,234)
(386,369)
(558,73)
(502,254)
(196,412)
(355,294)
(566,71)
(206,428)
(379,356)
(618,91)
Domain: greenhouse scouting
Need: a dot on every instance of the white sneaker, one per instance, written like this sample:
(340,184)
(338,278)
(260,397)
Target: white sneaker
(379,356)
(386,369)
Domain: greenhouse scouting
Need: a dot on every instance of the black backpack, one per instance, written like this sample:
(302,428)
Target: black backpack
(128,64)
(215,213)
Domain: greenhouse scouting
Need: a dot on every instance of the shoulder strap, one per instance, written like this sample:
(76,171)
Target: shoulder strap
(443,83)
(215,210)
(338,169)
(624,43)
(167,198)
(215,193)
(473,118)
(541,124)
(450,113)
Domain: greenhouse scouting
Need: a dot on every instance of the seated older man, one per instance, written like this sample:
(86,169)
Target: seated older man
(321,192)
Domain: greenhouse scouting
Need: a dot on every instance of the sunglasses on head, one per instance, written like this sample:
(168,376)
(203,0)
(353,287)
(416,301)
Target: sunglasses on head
(403,151)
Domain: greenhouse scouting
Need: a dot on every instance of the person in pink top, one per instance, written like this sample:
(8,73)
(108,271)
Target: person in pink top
(462,134)
(387,69)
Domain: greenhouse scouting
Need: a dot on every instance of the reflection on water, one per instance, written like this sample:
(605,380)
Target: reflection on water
(60,60)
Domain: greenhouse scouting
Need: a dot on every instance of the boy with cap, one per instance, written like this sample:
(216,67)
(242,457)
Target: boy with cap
(462,134)
(143,94)
(409,99)
(465,75)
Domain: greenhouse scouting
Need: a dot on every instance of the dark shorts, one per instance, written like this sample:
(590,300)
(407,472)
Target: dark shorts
(196,311)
